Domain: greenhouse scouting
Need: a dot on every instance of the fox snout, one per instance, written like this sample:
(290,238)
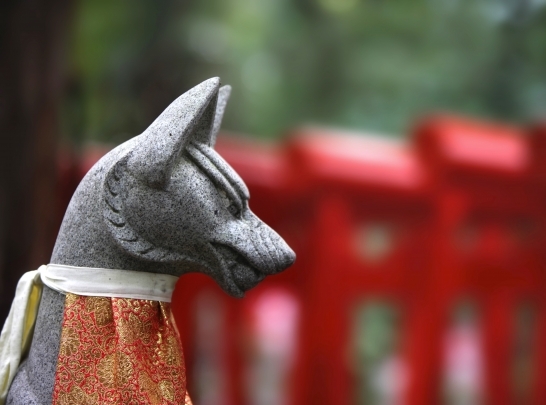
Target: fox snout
(251,252)
(271,253)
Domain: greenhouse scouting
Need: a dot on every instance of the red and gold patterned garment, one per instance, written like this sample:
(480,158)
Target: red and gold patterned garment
(119,351)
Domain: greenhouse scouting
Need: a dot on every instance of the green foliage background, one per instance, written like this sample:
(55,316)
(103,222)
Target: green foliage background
(362,64)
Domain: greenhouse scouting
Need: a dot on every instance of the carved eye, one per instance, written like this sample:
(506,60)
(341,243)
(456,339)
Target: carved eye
(234,210)
(230,205)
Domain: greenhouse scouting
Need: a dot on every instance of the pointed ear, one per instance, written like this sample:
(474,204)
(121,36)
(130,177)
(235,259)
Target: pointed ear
(153,159)
(223,97)
(204,126)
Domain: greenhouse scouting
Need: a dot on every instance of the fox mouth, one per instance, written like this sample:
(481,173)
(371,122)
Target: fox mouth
(237,270)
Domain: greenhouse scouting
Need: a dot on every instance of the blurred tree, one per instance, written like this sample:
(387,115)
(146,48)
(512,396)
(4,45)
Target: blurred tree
(507,79)
(126,67)
(364,64)
(32,35)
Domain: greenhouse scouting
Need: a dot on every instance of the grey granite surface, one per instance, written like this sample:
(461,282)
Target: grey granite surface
(33,383)
(162,202)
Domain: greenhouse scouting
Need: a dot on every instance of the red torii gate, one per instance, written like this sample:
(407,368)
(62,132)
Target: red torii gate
(483,226)
(355,188)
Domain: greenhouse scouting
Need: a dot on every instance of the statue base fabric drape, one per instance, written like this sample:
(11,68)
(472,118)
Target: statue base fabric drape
(119,351)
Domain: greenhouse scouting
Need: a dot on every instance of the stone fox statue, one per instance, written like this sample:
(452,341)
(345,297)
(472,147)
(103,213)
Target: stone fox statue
(162,204)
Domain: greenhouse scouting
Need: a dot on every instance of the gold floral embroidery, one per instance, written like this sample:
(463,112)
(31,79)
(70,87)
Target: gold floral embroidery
(70,300)
(114,370)
(134,328)
(168,352)
(119,351)
(77,396)
(157,393)
(101,310)
(166,389)
(70,342)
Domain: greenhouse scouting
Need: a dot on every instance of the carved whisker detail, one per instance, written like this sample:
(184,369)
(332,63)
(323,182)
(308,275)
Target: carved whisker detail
(116,210)
(134,239)
(118,172)
(113,212)
(119,225)
(115,193)
(144,251)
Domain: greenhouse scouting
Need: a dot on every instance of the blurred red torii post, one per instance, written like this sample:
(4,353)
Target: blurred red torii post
(354,186)
(484,218)
(537,140)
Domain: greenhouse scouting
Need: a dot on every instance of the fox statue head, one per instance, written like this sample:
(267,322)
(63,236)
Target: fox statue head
(166,202)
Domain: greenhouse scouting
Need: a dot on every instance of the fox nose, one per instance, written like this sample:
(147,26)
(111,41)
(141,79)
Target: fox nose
(288,257)
(276,254)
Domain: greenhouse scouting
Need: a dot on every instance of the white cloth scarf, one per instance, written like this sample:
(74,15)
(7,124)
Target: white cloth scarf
(19,326)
